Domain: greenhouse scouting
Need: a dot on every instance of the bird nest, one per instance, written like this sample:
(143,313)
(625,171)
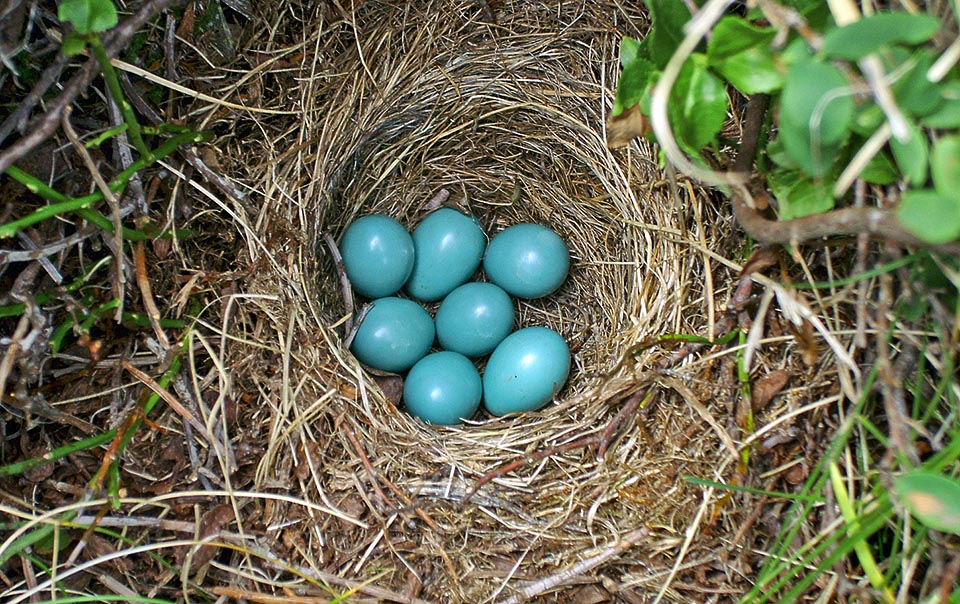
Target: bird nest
(497,109)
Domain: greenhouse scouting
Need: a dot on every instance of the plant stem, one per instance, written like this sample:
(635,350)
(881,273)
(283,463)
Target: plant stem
(861,547)
(59,453)
(63,204)
(113,85)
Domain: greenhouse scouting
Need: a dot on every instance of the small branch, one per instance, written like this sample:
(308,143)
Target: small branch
(580,568)
(613,427)
(146,292)
(345,288)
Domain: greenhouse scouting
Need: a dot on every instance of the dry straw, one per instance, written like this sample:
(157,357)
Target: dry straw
(501,105)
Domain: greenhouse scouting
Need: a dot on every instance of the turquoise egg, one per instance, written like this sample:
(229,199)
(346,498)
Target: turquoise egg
(443,388)
(378,255)
(527,260)
(449,246)
(525,371)
(474,318)
(394,335)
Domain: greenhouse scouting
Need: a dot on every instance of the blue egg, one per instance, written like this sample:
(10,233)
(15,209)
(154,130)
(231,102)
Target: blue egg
(449,246)
(525,371)
(527,260)
(474,318)
(378,255)
(394,335)
(443,388)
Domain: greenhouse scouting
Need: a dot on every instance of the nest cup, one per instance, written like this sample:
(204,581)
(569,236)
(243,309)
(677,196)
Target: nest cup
(510,135)
(507,118)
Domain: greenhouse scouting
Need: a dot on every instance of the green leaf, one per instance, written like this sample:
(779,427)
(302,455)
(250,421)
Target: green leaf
(798,195)
(947,114)
(88,16)
(733,35)
(912,156)
(778,155)
(933,499)
(816,113)
(880,170)
(667,18)
(914,92)
(945,166)
(867,119)
(634,78)
(73,44)
(698,104)
(740,52)
(930,215)
(869,34)
(629,51)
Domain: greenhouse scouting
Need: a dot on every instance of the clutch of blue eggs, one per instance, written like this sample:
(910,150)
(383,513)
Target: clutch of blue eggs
(525,367)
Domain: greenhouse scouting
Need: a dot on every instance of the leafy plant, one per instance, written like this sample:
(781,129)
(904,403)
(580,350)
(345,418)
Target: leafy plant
(825,98)
(872,99)
(932,498)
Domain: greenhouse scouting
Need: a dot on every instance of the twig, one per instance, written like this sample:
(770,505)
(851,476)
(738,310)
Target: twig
(182,411)
(23,284)
(580,568)
(358,448)
(184,392)
(146,291)
(111,199)
(36,253)
(41,258)
(43,127)
(346,289)
(17,120)
(614,426)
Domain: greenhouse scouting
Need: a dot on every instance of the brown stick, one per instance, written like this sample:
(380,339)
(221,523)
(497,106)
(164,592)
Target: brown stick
(580,568)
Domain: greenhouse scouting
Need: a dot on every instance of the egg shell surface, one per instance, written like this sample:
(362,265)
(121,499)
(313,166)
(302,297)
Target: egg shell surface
(474,318)
(525,371)
(378,255)
(395,334)
(443,388)
(527,260)
(448,249)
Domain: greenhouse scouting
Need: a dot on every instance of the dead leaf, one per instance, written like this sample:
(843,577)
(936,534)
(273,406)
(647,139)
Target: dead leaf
(806,341)
(591,594)
(767,387)
(213,521)
(98,546)
(623,128)
(796,475)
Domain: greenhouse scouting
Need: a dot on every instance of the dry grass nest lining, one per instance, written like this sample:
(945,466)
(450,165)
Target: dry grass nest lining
(508,118)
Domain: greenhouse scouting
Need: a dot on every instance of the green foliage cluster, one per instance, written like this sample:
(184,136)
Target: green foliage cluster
(874,99)
(824,88)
